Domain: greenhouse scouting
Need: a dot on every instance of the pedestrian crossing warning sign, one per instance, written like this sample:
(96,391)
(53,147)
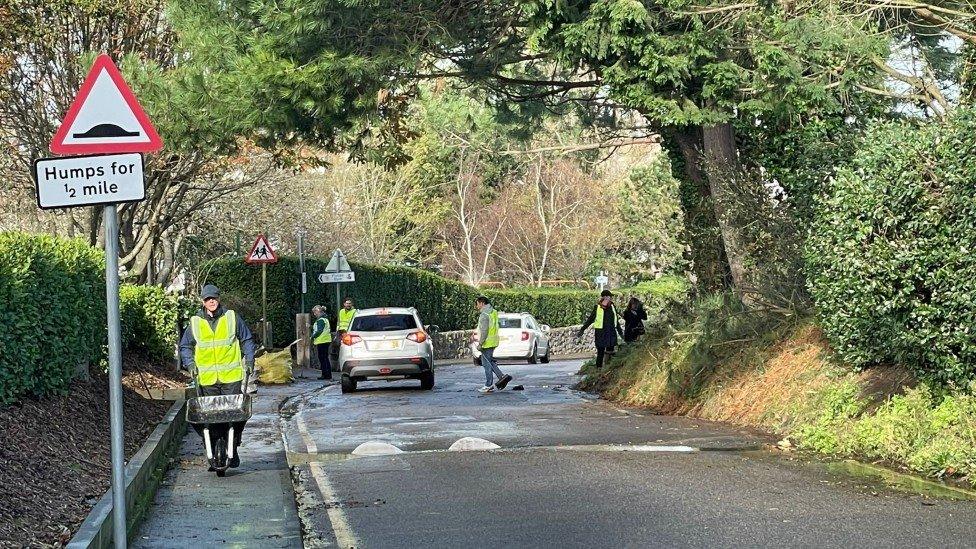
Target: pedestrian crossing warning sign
(105,117)
(261,252)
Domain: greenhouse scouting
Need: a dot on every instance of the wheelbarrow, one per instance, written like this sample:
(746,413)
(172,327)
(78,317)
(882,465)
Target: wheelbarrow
(217,410)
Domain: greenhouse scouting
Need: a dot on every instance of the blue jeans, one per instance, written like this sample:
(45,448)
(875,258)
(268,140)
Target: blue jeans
(491,365)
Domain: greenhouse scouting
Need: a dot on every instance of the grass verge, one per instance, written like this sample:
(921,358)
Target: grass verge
(725,364)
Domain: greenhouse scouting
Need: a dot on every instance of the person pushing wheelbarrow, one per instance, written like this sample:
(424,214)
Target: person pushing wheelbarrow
(218,348)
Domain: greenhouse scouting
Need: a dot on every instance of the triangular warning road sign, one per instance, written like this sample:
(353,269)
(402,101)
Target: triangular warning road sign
(105,117)
(261,252)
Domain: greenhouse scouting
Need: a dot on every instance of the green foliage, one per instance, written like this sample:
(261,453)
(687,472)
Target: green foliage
(679,66)
(890,259)
(446,303)
(52,318)
(650,235)
(689,343)
(151,320)
(52,313)
(934,436)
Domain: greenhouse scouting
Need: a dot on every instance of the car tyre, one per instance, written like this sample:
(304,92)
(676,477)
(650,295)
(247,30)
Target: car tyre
(545,359)
(348,384)
(534,357)
(427,381)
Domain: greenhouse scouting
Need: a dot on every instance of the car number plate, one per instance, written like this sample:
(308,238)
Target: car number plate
(385,345)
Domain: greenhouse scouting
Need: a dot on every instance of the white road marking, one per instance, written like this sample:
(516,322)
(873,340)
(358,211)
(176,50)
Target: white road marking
(310,446)
(628,448)
(306,436)
(345,537)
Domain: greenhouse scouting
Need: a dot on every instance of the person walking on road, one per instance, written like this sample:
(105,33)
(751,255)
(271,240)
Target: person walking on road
(634,317)
(322,339)
(604,320)
(218,348)
(487,334)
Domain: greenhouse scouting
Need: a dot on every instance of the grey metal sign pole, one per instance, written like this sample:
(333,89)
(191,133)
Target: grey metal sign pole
(110,218)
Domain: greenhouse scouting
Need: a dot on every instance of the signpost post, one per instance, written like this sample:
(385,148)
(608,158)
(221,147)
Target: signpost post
(337,272)
(262,253)
(106,122)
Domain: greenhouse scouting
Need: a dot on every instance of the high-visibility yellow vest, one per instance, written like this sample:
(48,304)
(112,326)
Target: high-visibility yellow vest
(345,318)
(217,352)
(491,340)
(598,323)
(326,335)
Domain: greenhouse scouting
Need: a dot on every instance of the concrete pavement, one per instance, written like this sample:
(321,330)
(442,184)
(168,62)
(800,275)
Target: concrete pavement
(253,506)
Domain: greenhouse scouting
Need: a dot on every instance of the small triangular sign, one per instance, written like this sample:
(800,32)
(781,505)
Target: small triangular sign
(261,252)
(105,117)
(338,263)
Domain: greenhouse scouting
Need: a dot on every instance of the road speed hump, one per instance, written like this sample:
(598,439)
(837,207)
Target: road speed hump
(105,117)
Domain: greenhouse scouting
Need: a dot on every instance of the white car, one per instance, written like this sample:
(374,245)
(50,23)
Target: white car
(385,345)
(520,336)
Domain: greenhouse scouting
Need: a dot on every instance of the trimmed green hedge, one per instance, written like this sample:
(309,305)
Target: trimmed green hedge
(52,312)
(440,301)
(892,254)
(151,319)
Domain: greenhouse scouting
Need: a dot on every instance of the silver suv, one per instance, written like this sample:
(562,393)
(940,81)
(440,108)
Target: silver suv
(385,345)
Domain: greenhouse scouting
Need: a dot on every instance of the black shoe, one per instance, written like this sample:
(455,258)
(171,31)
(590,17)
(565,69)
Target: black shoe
(503,382)
(235,461)
(327,378)
(213,465)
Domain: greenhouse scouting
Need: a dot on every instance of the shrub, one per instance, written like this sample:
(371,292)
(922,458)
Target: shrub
(891,258)
(447,303)
(52,312)
(151,320)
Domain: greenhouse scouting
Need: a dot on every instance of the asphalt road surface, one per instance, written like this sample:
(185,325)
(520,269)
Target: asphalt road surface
(573,471)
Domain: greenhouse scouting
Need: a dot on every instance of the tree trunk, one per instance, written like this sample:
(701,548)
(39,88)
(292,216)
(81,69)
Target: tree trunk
(722,164)
(707,252)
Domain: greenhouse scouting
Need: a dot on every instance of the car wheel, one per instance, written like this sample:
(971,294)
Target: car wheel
(427,381)
(348,384)
(534,357)
(545,359)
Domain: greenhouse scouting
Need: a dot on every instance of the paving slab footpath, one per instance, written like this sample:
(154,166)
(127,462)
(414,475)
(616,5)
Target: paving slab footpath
(252,506)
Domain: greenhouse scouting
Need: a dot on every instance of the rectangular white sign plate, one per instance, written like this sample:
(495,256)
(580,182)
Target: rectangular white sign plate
(326,278)
(89,180)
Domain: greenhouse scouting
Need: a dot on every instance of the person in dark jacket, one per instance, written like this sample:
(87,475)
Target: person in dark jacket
(605,322)
(634,318)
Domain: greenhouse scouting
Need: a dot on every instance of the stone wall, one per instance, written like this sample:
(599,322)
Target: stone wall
(454,345)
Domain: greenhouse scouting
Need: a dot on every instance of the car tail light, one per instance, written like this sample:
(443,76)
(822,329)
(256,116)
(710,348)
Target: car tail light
(419,337)
(350,339)
(525,336)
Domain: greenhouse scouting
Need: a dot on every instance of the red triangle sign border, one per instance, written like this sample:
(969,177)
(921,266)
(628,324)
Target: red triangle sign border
(261,238)
(104,62)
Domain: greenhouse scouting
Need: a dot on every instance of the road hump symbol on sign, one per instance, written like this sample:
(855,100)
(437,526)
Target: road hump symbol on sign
(105,117)
(261,252)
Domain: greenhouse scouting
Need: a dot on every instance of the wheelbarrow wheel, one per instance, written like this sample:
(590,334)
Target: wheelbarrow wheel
(221,457)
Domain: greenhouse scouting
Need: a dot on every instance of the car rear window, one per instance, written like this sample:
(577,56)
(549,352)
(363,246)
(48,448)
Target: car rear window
(510,322)
(383,323)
